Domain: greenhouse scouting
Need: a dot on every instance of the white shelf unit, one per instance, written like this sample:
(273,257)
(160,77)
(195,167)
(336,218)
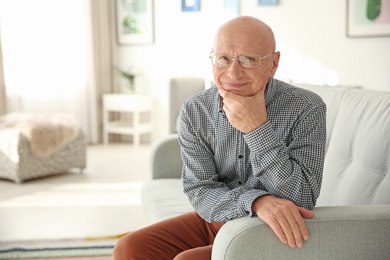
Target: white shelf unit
(124,103)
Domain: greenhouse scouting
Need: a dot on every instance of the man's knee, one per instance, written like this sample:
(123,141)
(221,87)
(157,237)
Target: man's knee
(126,248)
(203,253)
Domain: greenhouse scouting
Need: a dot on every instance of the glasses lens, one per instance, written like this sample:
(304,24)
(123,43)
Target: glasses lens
(249,60)
(246,60)
(220,61)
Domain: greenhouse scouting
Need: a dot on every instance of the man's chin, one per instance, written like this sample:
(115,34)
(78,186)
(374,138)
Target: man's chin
(240,92)
(236,91)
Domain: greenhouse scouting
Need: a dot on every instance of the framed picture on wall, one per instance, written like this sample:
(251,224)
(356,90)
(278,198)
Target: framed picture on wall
(190,5)
(232,7)
(268,2)
(368,18)
(134,22)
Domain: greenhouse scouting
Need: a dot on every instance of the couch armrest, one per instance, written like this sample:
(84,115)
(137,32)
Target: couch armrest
(165,158)
(339,232)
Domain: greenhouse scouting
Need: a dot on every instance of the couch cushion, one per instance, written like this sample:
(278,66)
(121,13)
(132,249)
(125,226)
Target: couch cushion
(357,161)
(332,97)
(164,198)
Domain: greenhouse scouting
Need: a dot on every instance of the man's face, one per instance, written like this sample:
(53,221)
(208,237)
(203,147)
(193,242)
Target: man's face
(235,78)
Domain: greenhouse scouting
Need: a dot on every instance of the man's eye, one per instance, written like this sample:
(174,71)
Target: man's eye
(248,59)
(223,59)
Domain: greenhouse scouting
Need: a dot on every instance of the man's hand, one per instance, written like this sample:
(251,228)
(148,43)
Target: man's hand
(244,113)
(284,218)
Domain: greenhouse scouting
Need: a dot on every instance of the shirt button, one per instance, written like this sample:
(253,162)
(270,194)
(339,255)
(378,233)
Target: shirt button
(240,156)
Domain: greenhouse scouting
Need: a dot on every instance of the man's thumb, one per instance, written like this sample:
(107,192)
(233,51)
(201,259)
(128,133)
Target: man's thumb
(306,213)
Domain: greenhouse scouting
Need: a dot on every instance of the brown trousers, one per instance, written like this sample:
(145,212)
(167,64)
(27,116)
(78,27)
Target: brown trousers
(187,236)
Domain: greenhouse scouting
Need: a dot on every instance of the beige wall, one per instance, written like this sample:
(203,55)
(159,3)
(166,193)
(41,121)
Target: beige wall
(310,34)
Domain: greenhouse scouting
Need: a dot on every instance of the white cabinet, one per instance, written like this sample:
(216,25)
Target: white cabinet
(123,103)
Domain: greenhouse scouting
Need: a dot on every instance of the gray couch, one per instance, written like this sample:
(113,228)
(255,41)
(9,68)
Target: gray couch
(352,217)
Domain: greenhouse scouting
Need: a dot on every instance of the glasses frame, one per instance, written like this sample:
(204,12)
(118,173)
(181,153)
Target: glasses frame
(212,55)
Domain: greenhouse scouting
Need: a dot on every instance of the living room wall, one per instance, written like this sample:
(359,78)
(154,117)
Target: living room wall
(311,36)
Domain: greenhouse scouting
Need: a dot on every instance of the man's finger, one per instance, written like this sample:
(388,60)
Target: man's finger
(306,214)
(290,229)
(277,229)
(298,228)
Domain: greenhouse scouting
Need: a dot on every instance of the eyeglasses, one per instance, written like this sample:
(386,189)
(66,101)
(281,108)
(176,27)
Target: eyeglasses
(246,60)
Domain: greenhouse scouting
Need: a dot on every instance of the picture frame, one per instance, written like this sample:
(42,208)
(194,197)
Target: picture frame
(232,7)
(134,22)
(267,2)
(368,18)
(190,5)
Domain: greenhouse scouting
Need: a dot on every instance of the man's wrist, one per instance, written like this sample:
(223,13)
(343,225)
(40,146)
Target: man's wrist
(255,203)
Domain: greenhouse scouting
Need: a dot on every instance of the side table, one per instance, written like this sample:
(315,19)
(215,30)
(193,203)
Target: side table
(124,103)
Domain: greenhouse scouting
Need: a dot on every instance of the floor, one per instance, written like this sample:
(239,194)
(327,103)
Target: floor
(102,201)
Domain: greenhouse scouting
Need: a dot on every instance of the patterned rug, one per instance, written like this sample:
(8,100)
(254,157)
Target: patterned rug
(78,249)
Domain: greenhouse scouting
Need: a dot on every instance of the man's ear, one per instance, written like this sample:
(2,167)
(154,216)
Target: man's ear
(275,63)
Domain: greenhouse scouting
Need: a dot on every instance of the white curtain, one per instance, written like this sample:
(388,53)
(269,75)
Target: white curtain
(49,49)
(3,97)
(103,39)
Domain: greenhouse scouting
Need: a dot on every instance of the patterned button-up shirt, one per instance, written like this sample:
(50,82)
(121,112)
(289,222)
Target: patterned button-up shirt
(225,170)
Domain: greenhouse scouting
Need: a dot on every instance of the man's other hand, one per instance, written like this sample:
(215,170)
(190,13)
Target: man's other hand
(284,218)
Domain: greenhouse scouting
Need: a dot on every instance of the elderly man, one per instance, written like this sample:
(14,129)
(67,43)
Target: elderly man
(252,146)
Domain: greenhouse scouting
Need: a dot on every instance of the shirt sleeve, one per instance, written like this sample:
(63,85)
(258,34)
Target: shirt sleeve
(292,171)
(210,196)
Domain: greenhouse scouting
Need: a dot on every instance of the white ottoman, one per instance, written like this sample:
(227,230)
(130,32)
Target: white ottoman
(19,162)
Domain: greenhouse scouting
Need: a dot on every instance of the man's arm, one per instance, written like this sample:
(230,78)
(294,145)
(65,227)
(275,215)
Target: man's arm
(289,171)
(283,171)
(203,181)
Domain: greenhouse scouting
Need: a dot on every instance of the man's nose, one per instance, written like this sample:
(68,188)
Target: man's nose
(235,69)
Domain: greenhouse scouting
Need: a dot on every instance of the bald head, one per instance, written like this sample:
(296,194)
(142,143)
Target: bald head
(246,31)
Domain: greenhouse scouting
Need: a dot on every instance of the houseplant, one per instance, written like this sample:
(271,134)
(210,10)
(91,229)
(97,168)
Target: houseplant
(129,75)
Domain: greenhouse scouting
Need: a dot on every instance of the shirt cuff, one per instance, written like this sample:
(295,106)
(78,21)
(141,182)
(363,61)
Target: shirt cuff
(261,139)
(248,198)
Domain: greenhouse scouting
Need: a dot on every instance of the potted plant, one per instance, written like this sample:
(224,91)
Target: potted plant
(129,75)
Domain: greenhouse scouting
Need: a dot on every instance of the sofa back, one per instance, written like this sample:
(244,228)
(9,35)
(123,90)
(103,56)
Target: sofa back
(357,160)
(180,89)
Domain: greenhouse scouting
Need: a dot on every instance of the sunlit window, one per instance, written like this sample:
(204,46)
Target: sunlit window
(44,46)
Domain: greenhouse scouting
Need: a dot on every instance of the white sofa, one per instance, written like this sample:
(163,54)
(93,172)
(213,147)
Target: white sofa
(352,217)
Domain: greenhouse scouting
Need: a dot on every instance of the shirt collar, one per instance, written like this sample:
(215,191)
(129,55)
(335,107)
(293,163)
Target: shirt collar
(270,91)
(220,104)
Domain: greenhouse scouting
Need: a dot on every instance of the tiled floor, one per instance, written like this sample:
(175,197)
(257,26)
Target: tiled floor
(104,200)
